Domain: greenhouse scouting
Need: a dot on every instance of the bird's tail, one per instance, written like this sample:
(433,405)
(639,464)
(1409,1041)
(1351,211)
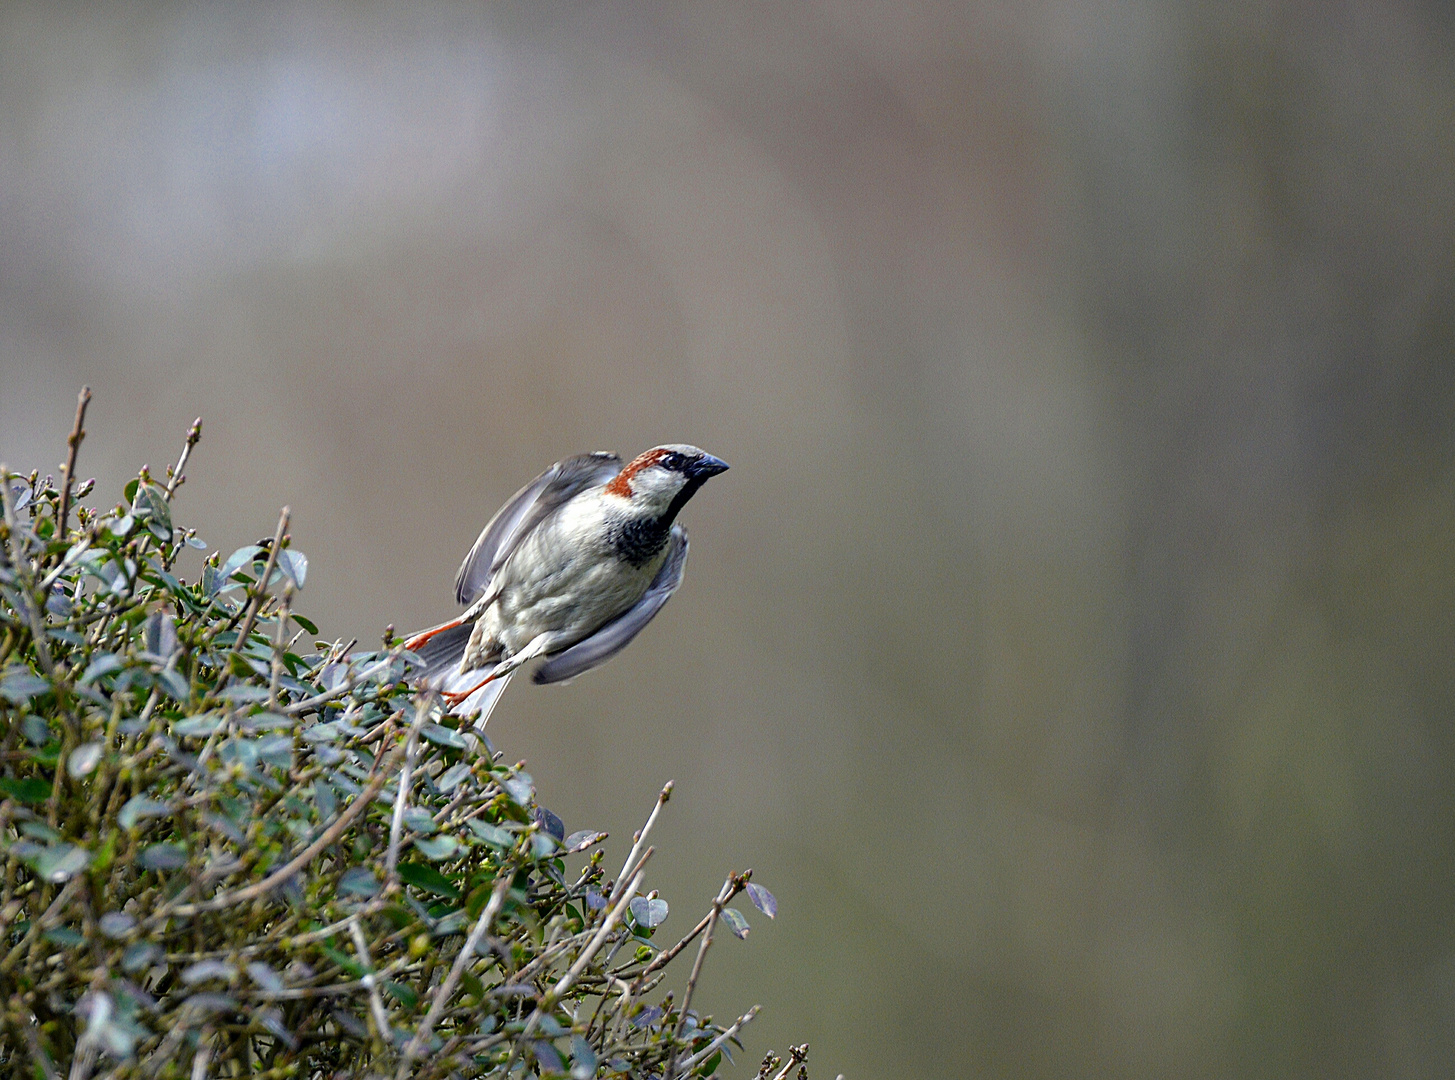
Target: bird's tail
(440,649)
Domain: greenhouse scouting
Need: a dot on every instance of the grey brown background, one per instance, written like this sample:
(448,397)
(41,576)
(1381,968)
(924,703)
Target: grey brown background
(1070,647)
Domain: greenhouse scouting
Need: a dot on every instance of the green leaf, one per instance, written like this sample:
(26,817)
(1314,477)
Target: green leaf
(443,736)
(140,955)
(491,834)
(244,693)
(175,684)
(426,877)
(276,750)
(243,556)
(205,724)
(150,505)
(138,808)
(61,863)
(84,759)
(294,564)
(64,936)
(103,664)
(519,788)
(28,791)
(20,684)
(403,994)
(343,960)
(436,848)
(358,881)
(763,900)
(735,922)
(307,624)
(163,857)
(583,1059)
(648,913)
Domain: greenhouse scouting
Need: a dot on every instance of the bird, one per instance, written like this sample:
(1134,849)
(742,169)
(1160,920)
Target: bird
(568,571)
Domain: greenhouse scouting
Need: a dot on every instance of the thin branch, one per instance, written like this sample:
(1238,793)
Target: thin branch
(345,687)
(466,954)
(712,917)
(276,670)
(707,1051)
(73,446)
(42,923)
(260,587)
(194,433)
(38,1056)
(640,839)
(203,1055)
(376,1004)
(739,882)
(550,997)
(396,825)
(796,1056)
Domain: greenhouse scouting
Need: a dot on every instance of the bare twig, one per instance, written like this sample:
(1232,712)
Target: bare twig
(38,1056)
(712,917)
(739,882)
(345,687)
(406,775)
(641,839)
(550,997)
(707,1051)
(796,1056)
(466,954)
(259,591)
(376,1004)
(42,923)
(203,1055)
(73,446)
(176,480)
(85,1058)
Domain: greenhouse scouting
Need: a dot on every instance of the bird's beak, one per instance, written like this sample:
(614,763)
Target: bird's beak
(704,467)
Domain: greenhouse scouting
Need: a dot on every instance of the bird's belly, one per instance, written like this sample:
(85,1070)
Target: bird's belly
(567,599)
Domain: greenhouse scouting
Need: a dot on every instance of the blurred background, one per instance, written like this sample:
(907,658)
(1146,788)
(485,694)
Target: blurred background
(1071,647)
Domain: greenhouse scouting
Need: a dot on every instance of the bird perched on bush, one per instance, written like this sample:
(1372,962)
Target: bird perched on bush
(570,569)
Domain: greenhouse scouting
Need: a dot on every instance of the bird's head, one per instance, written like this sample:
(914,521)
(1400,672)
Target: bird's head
(659,482)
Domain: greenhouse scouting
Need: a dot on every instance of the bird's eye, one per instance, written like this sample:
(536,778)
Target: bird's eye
(673,461)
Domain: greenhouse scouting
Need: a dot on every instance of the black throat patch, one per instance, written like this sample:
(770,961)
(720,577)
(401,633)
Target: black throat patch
(637,541)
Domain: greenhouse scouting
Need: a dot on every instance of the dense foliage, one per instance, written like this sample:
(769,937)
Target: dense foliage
(230,849)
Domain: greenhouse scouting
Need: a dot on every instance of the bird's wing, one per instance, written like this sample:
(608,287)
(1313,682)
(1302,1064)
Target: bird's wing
(617,634)
(513,521)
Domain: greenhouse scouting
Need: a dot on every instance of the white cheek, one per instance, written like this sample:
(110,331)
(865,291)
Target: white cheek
(657,487)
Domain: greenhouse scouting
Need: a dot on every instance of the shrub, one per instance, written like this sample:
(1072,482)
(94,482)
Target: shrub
(229,853)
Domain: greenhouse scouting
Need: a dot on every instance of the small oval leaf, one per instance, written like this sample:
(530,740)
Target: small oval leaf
(648,913)
(763,900)
(735,922)
(436,848)
(84,759)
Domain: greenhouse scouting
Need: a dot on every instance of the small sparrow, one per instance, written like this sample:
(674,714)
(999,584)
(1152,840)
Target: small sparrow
(570,569)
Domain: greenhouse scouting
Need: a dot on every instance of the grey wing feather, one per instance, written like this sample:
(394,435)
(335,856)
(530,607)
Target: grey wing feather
(513,521)
(617,634)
